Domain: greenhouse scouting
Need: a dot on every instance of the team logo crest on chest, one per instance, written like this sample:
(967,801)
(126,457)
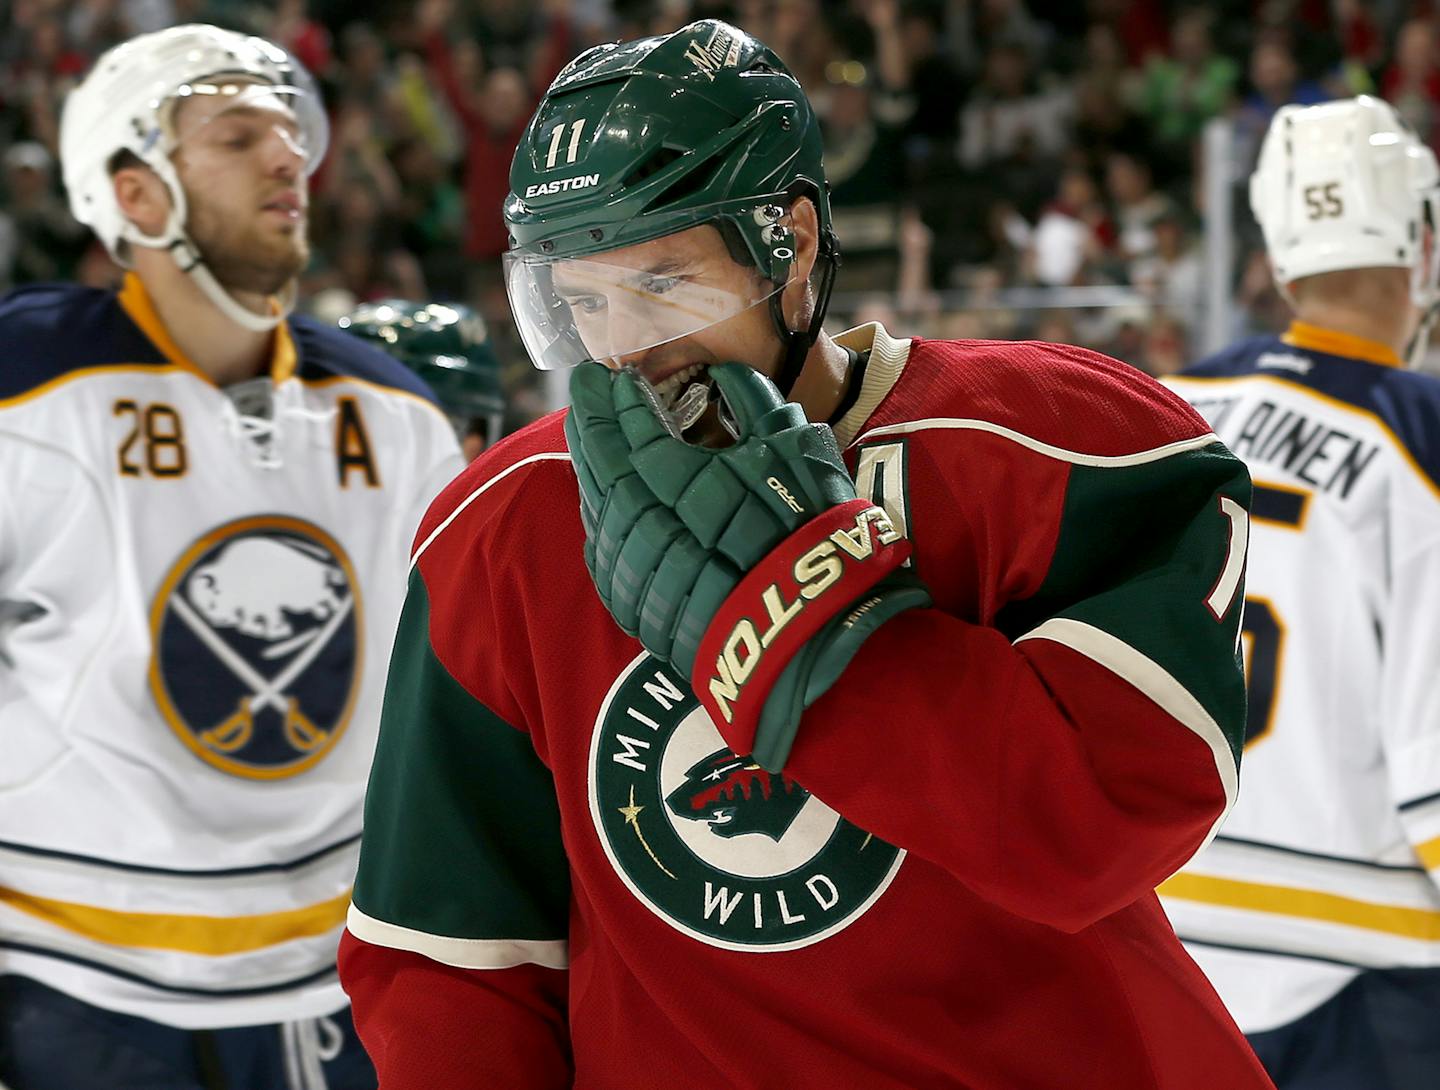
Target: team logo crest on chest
(256,646)
(714,845)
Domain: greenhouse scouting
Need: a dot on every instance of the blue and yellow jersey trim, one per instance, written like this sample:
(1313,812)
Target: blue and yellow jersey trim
(1331,342)
(60,332)
(135,301)
(1354,374)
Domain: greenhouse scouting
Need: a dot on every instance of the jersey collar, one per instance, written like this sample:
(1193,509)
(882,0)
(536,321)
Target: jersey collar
(135,301)
(1334,343)
(888,356)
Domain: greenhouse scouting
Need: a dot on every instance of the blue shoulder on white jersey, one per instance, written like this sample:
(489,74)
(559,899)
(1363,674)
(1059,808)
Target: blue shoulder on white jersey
(1406,402)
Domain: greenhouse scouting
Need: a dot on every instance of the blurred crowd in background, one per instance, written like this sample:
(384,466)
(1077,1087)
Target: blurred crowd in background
(982,153)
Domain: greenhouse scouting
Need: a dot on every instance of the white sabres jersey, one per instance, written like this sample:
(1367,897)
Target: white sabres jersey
(196,611)
(1328,864)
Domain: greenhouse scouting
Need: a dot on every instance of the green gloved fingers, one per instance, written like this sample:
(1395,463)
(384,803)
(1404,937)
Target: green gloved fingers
(752,569)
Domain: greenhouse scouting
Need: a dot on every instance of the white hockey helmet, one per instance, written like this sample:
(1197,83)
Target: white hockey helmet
(1347,185)
(125,103)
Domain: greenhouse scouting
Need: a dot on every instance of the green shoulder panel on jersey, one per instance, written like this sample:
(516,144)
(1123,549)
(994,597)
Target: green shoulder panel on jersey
(460,803)
(1166,542)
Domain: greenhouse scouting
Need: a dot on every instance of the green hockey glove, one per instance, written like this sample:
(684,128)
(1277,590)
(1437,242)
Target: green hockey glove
(753,569)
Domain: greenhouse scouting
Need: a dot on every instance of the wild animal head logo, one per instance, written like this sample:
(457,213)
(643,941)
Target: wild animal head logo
(674,809)
(735,796)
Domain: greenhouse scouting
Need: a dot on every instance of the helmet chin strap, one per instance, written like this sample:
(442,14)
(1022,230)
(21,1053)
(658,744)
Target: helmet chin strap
(189,261)
(1420,339)
(798,342)
(188,258)
(1425,281)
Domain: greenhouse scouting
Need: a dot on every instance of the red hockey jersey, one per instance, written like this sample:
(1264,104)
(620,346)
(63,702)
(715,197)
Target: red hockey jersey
(567,879)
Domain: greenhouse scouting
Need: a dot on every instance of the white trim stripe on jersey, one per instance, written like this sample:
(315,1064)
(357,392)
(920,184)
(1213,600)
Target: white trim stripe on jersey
(543,456)
(461,953)
(1296,937)
(1228,583)
(1155,682)
(188,1007)
(1101,461)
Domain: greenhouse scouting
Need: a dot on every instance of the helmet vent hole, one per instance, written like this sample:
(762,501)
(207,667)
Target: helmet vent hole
(662,158)
(689,184)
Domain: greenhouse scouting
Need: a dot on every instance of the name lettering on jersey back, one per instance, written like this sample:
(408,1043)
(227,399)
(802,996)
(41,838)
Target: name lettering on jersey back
(1265,433)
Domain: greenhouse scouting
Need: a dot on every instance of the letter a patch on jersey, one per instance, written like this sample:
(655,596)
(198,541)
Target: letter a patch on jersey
(256,636)
(354,452)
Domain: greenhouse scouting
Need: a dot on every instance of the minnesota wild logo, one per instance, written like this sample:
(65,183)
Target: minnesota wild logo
(713,844)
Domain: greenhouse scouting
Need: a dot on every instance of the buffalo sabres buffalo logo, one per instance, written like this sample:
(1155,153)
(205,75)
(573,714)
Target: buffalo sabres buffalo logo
(712,843)
(256,646)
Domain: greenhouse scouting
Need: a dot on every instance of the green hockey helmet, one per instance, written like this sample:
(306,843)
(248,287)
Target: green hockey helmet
(642,139)
(448,347)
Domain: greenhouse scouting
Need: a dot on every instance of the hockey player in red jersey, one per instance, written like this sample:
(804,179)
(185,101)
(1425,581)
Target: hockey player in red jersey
(724,748)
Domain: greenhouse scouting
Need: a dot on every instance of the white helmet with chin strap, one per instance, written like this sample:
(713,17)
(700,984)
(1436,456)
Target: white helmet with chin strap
(1348,185)
(126,103)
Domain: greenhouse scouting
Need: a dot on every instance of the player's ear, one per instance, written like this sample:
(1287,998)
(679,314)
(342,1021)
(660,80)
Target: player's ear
(805,226)
(142,197)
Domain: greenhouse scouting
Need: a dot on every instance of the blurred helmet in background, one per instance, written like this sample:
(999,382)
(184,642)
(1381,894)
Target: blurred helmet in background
(448,347)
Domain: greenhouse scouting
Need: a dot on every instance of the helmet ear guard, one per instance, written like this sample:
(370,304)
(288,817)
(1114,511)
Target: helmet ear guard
(773,233)
(797,342)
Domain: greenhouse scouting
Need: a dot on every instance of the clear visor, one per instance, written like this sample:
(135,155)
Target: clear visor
(237,112)
(1425,275)
(570,310)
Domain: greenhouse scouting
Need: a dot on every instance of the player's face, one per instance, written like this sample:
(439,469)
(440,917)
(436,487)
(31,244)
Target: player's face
(243,171)
(687,265)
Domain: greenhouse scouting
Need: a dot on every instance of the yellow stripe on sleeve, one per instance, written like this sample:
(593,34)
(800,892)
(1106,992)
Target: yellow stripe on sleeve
(1429,853)
(1410,923)
(211,935)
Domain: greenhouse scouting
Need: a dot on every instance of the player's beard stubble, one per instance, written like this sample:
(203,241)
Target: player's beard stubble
(241,254)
